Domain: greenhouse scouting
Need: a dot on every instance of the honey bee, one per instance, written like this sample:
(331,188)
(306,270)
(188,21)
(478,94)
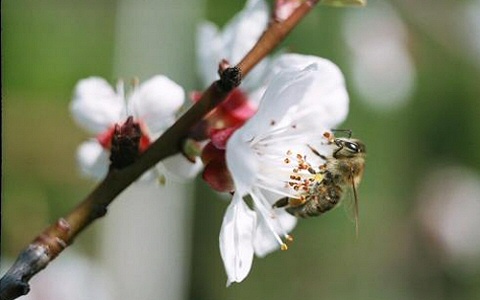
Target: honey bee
(342,169)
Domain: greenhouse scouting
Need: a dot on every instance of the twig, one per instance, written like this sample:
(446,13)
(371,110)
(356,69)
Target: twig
(58,236)
(276,32)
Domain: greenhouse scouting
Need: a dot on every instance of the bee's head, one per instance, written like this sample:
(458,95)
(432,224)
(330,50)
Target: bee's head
(348,148)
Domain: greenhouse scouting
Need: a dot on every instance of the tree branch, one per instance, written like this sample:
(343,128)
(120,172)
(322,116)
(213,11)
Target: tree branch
(54,239)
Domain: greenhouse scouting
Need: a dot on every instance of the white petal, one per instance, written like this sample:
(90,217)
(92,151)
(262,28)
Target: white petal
(315,96)
(152,175)
(179,168)
(209,52)
(242,163)
(255,96)
(278,64)
(95,105)
(235,239)
(327,97)
(264,241)
(284,93)
(156,101)
(293,61)
(93,160)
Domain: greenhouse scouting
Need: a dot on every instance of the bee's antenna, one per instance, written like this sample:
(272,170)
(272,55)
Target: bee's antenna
(347,131)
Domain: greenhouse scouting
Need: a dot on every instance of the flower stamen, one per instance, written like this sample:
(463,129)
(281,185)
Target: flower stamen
(289,238)
(303,177)
(268,215)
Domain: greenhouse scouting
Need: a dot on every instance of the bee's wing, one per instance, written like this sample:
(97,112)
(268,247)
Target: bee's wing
(350,204)
(355,196)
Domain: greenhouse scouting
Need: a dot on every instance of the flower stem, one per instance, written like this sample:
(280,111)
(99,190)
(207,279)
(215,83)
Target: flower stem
(54,239)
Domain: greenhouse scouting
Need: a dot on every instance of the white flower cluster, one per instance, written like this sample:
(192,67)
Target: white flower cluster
(298,98)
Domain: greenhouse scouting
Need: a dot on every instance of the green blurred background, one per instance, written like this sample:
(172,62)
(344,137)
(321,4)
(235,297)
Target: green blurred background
(47,46)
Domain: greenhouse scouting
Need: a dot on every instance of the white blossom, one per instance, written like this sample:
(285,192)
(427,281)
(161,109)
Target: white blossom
(300,104)
(97,107)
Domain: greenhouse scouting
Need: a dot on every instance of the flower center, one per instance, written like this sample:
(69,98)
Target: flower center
(303,178)
(105,138)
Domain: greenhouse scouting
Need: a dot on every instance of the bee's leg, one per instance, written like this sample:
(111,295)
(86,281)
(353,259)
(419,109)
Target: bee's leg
(294,202)
(308,209)
(281,203)
(340,147)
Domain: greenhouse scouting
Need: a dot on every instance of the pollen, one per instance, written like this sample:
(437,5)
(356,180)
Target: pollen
(327,135)
(303,177)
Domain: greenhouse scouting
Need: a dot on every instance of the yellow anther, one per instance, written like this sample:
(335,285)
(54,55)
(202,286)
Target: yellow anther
(318,177)
(284,247)
(289,238)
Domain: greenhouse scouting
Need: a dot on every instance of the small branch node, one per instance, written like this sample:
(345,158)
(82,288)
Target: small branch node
(230,78)
(63,225)
(60,243)
(98,211)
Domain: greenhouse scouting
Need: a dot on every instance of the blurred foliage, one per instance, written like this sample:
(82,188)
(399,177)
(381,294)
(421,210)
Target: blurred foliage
(49,45)
(46,47)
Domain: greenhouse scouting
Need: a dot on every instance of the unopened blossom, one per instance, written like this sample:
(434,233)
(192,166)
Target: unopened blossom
(298,107)
(100,109)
